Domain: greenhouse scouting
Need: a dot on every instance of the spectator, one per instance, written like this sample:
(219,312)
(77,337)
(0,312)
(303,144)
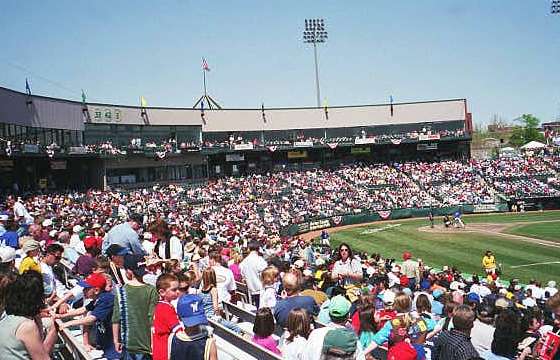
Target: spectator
(456,344)
(293,300)
(225,282)
(347,270)
(268,294)
(21,327)
(167,246)
(126,235)
(210,302)
(194,343)
(166,322)
(251,268)
(7,260)
(116,254)
(31,248)
(263,328)
(10,237)
(52,257)
(295,337)
(133,312)
(335,338)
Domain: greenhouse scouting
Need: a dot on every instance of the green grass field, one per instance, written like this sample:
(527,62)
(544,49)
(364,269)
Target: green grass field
(465,249)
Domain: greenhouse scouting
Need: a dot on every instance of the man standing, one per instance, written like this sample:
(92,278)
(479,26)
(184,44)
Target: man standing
(126,235)
(456,344)
(225,282)
(251,268)
(410,270)
(489,262)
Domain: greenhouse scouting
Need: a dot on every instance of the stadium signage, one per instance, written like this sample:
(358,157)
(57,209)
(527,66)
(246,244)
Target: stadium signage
(31,148)
(77,150)
(247,146)
(363,141)
(300,154)
(235,157)
(303,144)
(105,115)
(360,150)
(424,137)
(426,147)
(483,208)
(313,225)
(58,165)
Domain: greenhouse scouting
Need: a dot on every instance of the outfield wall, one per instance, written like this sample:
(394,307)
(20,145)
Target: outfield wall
(372,216)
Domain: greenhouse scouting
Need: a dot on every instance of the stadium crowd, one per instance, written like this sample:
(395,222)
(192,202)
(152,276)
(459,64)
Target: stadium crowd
(166,258)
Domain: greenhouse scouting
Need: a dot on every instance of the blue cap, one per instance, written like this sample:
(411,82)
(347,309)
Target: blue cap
(437,293)
(191,310)
(473,297)
(116,250)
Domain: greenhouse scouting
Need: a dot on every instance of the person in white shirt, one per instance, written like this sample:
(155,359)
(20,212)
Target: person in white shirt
(21,213)
(225,283)
(347,269)
(551,288)
(251,268)
(529,300)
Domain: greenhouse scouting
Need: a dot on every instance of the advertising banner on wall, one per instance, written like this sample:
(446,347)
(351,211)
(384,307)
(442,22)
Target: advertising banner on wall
(360,150)
(299,154)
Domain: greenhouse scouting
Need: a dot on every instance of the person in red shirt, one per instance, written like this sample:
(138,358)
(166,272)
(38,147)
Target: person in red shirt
(166,322)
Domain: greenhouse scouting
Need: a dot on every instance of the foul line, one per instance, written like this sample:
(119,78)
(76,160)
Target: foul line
(533,264)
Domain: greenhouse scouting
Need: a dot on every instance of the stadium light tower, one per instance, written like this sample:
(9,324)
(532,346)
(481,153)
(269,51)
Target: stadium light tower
(315,33)
(555,7)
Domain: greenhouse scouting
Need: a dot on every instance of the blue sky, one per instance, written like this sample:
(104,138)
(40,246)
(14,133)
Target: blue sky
(502,55)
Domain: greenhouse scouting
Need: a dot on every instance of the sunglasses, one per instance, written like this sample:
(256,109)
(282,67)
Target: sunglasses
(343,250)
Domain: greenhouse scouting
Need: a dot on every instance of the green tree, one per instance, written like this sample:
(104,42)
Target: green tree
(527,131)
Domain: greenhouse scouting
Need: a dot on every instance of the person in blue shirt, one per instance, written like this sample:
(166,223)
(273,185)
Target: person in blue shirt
(126,236)
(98,314)
(292,301)
(10,237)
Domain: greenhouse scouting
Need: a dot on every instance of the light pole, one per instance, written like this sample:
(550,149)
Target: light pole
(315,33)
(555,7)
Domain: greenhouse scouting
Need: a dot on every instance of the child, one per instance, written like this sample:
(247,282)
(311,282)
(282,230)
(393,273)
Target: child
(209,295)
(269,278)
(399,347)
(166,322)
(263,329)
(194,343)
(133,311)
(294,341)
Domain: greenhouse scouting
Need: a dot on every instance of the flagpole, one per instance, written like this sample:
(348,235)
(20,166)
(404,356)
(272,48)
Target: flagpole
(204,80)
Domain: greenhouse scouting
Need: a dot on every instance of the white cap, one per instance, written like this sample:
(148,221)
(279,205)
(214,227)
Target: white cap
(77,228)
(307,272)
(551,284)
(319,262)
(47,222)
(3,217)
(53,233)
(388,297)
(7,254)
(299,264)
(147,236)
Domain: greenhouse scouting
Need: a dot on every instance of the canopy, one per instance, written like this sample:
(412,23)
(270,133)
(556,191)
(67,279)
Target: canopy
(533,145)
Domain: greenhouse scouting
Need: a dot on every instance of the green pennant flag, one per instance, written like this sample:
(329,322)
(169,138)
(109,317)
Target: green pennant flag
(83,97)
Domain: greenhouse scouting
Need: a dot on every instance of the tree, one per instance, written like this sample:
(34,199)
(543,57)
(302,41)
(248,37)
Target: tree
(527,131)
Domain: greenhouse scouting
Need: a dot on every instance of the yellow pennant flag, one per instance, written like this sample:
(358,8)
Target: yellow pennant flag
(143,102)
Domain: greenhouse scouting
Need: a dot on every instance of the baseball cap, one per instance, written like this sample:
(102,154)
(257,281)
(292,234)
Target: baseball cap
(30,245)
(299,264)
(3,217)
(501,303)
(7,254)
(406,255)
(341,340)
(191,310)
(95,280)
(77,228)
(116,250)
(47,222)
(437,293)
(388,297)
(135,263)
(473,297)
(339,306)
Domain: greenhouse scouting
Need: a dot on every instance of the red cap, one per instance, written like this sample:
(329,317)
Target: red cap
(90,242)
(406,255)
(95,280)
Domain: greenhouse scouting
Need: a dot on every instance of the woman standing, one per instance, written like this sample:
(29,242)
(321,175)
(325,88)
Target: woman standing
(20,329)
(347,269)
(167,246)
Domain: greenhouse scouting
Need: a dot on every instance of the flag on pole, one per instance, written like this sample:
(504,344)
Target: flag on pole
(143,102)
(391,101)
(263,114)
(326,107)
(202,112)
(27,87)
(83,97)
(205,66)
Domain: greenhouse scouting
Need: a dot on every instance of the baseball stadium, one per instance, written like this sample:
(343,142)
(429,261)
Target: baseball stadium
(421,227)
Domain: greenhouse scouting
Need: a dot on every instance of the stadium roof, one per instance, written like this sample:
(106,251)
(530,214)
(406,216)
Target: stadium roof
(60,113)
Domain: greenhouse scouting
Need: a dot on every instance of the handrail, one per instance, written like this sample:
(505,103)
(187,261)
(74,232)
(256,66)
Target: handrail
(238,341)
(72,345)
